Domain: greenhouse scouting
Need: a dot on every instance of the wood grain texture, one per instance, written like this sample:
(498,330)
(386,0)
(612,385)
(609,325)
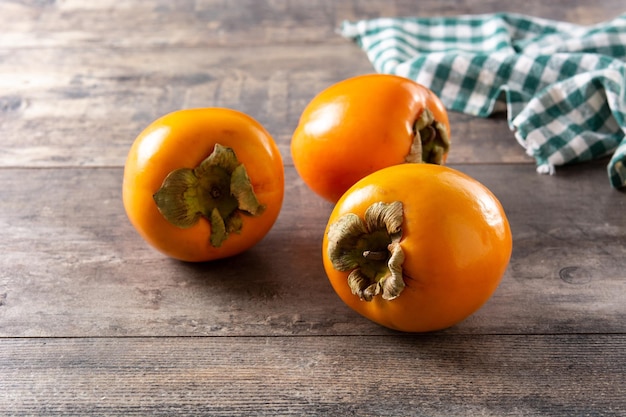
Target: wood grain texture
(187,23)
(78,118)
(84,79)
(93,322)
(331,376)
(72,265)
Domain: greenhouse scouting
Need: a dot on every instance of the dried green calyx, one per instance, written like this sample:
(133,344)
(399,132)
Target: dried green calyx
(218,189)
(430,142)
(370,249)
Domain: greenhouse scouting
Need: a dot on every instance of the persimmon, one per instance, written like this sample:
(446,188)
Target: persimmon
(365,123)
(202,184)
(417,247)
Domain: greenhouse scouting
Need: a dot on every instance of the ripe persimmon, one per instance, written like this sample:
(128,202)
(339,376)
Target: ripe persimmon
(365,123)
(203,184)
(416,247)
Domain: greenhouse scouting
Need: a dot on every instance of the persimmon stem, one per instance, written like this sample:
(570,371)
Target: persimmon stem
(218,189)
(370,249)
(376,255)
(430,141)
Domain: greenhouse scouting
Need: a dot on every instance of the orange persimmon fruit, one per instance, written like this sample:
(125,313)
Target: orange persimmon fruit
(365,123)
(202,184)
(416,247)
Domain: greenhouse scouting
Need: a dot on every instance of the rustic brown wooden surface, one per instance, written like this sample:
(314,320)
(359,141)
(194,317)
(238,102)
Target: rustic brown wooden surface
(94,322)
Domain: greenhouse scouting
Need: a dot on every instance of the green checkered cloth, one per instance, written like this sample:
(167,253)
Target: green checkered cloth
(563,85)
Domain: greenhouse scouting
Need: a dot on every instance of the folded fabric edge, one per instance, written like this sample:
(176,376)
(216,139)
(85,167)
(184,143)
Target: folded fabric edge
(618,175)
(617,167)
(348,29)
(543,165)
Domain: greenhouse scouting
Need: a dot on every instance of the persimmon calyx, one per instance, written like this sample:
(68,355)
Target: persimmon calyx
(430,141)
(370,249)
(218,189)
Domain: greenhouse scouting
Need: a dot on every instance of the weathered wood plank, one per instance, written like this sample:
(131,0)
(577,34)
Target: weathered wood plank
(72,265)
(339,376)
(74,107)
(67,105)
(88,106)
(235,23)
(94,322)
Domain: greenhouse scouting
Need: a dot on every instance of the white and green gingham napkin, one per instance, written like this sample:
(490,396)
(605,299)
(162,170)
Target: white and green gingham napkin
(563,85)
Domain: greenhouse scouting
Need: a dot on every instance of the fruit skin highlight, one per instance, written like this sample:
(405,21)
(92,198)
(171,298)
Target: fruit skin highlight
(181,141)
(450,244)
(363,124)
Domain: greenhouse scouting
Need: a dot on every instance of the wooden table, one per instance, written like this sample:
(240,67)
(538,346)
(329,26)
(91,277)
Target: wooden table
(95,322)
